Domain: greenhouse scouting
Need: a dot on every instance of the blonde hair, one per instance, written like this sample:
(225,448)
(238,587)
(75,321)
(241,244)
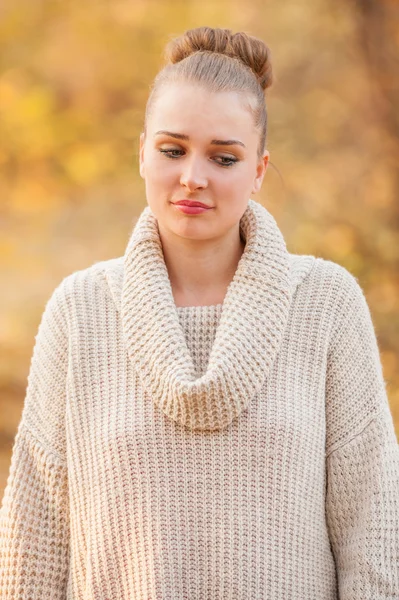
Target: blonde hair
(220,61)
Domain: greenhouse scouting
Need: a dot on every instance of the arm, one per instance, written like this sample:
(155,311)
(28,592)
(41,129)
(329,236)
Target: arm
(362,457)
(34,523)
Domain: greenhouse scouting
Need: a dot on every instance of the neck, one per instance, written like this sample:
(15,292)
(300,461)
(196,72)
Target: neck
(201,270)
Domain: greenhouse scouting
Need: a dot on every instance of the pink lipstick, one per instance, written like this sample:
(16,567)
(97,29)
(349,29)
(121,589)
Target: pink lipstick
(191,207)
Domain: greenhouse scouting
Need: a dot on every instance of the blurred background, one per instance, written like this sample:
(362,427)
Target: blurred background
(74,80)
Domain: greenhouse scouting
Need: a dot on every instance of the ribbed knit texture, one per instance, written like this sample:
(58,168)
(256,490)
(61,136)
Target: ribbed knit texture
(230,452)
(255,314)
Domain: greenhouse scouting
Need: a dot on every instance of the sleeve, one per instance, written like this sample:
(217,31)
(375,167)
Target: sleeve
(34,524)
(362,457)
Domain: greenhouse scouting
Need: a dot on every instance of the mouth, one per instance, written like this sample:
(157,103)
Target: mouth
(191,203)
(191,208)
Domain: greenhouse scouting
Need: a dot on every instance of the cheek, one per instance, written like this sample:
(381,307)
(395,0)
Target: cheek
(158,178)
(162,173)
(237,183)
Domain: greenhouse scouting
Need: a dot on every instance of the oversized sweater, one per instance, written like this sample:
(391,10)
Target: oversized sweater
(243,450)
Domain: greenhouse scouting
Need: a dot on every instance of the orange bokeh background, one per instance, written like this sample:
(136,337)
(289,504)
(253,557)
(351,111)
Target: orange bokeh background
(74,80)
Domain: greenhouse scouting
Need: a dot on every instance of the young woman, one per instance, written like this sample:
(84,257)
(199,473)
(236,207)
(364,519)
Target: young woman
(206,416)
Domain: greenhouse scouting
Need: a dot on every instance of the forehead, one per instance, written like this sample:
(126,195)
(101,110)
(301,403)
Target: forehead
(193,107)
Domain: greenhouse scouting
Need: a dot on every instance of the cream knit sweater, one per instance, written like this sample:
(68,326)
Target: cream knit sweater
(226,452)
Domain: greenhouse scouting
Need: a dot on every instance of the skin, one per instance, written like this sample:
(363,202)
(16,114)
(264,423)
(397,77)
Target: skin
(201,251)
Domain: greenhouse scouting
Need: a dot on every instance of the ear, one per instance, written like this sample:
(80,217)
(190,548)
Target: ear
(260,172)
(141,155)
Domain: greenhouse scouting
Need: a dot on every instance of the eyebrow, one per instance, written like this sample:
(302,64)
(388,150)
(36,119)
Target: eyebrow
(182,136)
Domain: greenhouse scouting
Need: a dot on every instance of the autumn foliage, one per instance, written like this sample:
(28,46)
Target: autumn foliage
(74,79)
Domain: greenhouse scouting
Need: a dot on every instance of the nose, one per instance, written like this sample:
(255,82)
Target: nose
(193,175)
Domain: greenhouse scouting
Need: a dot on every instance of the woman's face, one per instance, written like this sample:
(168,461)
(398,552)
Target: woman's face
(180,159)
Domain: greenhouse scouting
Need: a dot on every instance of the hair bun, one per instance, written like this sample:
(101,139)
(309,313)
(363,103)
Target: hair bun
(254,53)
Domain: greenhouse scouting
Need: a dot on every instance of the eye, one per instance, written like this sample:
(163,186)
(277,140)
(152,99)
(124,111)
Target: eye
(230,159)
(167,153)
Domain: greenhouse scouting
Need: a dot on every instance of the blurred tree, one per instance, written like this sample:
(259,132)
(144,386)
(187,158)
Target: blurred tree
(378,38)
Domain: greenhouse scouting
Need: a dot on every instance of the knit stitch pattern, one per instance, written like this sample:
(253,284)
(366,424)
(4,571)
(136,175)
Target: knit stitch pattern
(239,451)
(254,316)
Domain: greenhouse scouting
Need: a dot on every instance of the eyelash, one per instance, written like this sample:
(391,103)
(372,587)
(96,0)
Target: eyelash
(231,160)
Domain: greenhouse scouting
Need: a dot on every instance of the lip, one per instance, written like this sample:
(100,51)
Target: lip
(191,207)
(191,210)
(193,203)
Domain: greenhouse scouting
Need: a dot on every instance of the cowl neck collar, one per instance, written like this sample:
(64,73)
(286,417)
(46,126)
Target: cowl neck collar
(252,322)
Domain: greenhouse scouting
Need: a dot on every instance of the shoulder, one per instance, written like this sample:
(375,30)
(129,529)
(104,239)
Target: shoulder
(325,277)
(100,280)
(94,272)
(341,288)
(331,290)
